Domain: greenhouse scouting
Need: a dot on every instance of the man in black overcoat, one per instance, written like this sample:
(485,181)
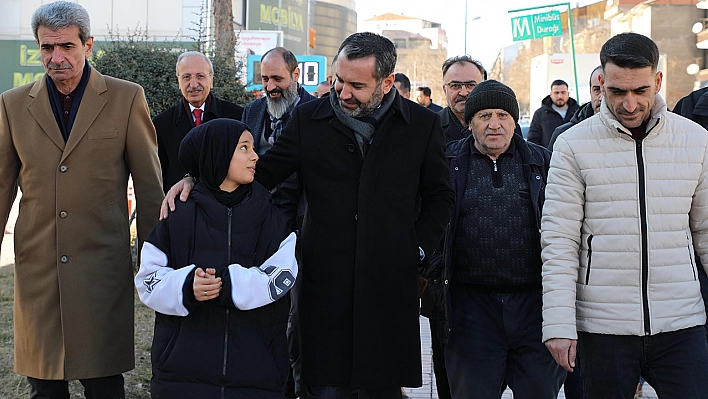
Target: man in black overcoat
(367,158)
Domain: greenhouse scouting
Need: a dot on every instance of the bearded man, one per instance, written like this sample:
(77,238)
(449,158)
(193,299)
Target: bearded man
(267,116)
(556,109)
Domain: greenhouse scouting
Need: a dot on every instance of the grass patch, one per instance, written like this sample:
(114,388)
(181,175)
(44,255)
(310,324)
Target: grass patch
(137,381)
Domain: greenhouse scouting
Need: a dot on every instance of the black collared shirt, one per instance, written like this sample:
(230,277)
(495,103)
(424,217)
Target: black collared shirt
(66,106)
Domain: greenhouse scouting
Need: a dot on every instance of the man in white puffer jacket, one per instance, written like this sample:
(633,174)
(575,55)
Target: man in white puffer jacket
(626,201)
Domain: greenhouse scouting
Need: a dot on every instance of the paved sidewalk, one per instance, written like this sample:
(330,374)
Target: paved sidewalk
(429,391)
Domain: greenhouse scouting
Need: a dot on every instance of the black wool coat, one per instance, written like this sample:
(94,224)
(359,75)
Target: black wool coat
(360,254)
(173,124)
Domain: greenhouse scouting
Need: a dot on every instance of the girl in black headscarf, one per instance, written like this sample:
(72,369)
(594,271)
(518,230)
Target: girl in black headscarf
(220,321)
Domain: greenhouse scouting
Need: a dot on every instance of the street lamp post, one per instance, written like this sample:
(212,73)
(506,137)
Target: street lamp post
(473,19)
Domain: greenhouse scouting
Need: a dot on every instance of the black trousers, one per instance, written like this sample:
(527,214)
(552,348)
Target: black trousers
(111,387)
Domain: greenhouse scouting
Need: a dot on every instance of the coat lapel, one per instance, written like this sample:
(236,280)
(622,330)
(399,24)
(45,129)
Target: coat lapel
(41,110)
(91,105)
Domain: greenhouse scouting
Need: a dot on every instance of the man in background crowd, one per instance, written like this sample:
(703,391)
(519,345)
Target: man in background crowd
(556,109)
(424,99)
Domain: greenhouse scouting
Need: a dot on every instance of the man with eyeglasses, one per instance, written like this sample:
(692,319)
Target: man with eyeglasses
(460,75)
(195,75)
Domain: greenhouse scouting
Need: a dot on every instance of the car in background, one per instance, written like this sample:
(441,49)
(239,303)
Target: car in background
(524,124)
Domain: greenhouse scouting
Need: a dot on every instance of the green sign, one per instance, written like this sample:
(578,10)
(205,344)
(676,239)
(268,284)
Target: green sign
(288,16)
(537,25)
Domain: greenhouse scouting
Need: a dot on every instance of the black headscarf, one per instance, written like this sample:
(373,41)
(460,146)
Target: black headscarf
(206,152)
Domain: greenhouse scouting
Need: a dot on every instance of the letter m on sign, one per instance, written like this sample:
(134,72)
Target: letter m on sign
(521,28)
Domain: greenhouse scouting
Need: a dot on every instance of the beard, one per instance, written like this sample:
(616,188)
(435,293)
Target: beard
(364,109)
(277,107)
(560,103)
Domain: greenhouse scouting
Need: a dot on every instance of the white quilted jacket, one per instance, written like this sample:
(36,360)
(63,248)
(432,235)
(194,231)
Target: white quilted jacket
(619,225)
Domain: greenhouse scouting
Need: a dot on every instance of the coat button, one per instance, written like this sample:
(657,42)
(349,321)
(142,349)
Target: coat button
(446,282)
(63,214)
(350,148)
(456,168)
(63,168)
(64,259)
(356,217)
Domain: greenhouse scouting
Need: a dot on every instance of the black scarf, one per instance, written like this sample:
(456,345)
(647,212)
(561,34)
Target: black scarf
(363,127)
(206,152)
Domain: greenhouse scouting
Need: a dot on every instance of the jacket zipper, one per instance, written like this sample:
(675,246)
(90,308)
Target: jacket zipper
(226,331)
(587,273)
(645,252)
(690,256)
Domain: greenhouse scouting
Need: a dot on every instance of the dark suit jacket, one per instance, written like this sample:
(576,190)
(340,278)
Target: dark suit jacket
(452,132)
(173,124)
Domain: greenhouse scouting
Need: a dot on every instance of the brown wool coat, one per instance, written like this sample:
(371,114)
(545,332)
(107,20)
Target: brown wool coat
(73,274)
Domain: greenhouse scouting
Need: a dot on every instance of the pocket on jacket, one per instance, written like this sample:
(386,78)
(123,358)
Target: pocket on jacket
(119,221)
(165,336)
(691,256)
(106,134)
(259,357)
(589,262)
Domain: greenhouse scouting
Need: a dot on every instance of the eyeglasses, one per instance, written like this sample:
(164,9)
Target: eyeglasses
(200,76)
(458,85)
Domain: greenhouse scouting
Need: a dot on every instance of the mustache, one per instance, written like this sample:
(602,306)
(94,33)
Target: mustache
(352,101)
(460,99)
(277,90)
(54,66)
(198,88)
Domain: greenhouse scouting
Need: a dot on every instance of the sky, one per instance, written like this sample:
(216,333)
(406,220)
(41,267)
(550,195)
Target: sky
(485,35)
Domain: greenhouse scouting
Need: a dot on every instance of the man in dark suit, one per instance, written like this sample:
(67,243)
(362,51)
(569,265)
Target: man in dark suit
(195,75)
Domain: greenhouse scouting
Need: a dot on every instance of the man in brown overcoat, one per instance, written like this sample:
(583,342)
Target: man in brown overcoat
(69,141)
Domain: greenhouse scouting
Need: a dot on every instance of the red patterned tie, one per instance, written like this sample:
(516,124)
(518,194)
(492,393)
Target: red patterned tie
(197,116)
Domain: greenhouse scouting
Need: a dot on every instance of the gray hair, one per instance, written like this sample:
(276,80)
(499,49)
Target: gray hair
(60,15)
(193,54)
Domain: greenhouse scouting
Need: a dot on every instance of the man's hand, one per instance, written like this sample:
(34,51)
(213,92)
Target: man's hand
(182,188)
(563,351)
(206,285)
